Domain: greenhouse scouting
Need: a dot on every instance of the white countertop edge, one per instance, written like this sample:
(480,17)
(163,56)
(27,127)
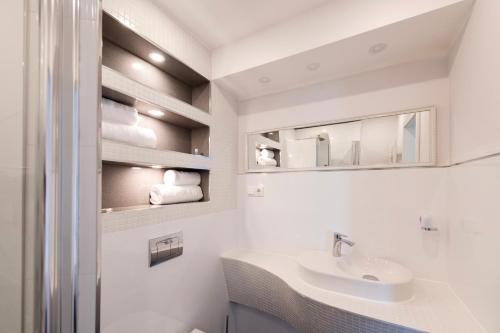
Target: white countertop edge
(434,307)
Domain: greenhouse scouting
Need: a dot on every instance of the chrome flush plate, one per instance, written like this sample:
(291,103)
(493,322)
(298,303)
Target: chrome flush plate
(165,248)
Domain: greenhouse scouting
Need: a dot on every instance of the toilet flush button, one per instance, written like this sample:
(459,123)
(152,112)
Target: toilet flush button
(255,190)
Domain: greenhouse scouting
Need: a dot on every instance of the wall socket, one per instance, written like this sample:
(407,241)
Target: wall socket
(255,190)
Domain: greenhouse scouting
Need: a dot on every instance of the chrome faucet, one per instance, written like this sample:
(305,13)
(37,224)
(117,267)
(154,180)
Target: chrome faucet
(338,239)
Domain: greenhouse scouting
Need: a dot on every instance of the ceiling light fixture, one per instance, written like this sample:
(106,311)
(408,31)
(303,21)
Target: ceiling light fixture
(157,57)
(126,22)
(156,113)
(377,48)
(137,66)
(313,66)
(136,168)
(264,79)
(156,167)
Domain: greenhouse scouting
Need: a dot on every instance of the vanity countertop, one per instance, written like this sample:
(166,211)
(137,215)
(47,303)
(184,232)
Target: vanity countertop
(434,307)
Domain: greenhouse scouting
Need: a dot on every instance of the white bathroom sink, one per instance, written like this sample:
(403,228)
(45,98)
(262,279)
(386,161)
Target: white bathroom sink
(372,278)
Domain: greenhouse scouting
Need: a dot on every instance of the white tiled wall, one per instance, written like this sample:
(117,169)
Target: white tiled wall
(187,292)
(473,219)
(11,164)
(176,296)
(473,209)
(223,145)
(149,21)
(88,176)
(377,209)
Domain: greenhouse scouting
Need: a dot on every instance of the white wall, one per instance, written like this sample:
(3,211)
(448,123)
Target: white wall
(474,82)
(392,89)
(89,206)
(473,188)
(189,291)
(176,296)
(11,164)
(473,214)
(378,209)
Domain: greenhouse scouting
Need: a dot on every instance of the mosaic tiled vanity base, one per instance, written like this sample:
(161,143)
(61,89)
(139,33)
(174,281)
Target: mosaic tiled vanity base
(257,288)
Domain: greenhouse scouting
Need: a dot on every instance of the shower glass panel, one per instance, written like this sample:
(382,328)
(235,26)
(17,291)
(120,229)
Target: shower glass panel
(19,34)
(39,143)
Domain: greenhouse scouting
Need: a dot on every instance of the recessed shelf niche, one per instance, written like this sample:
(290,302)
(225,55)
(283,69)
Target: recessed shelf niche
(127,186)
(174,132)
(130,54)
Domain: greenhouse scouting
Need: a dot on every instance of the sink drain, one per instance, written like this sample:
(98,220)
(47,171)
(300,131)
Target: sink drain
(370,277)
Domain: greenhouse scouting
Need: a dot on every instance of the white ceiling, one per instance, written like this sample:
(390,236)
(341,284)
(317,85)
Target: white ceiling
(424,37)
(219,22)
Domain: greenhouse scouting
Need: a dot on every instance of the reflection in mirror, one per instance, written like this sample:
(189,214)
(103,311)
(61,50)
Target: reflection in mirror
(400,139)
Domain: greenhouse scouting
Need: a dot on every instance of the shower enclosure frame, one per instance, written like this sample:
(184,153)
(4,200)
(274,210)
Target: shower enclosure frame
(59,237)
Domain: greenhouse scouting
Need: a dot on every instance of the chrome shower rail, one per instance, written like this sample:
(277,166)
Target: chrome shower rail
(57,160)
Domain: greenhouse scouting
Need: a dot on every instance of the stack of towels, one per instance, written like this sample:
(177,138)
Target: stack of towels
(266,158)
(120,123)
(178,186)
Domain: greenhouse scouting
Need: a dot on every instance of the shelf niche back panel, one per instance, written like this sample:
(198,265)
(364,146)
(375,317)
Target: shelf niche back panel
(174,132)
(127,186)
(129,53)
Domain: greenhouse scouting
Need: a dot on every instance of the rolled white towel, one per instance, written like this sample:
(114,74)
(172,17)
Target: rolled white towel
(267,161)
(139,136)
(118,113)
(267,153)
(180,178)
(162,194)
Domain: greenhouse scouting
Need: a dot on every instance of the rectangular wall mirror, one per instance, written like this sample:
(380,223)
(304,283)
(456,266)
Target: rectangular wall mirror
(397,139)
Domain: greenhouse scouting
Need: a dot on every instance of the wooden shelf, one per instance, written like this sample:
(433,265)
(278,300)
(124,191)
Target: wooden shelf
(126,154)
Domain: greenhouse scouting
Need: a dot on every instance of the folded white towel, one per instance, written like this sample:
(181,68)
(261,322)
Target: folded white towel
(179,178)
(118,113)
(267,161)
(267,153)
(162,194)
(138,136)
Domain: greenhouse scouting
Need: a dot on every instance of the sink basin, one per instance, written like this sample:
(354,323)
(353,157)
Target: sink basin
(368,277)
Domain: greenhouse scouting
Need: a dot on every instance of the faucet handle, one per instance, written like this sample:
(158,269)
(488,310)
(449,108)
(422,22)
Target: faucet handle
(339,236)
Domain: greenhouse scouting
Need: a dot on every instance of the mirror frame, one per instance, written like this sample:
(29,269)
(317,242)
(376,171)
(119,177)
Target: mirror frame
(433,144)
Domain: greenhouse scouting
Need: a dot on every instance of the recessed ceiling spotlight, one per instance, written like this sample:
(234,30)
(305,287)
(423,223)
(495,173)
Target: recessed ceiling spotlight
(137,66)
(156,166)
(156,57)
(126,22)
(313,66)
(264,79)
(136,168)
(156,113)
(377,48)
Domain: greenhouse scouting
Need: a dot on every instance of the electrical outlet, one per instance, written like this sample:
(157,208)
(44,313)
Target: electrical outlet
(256,190)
